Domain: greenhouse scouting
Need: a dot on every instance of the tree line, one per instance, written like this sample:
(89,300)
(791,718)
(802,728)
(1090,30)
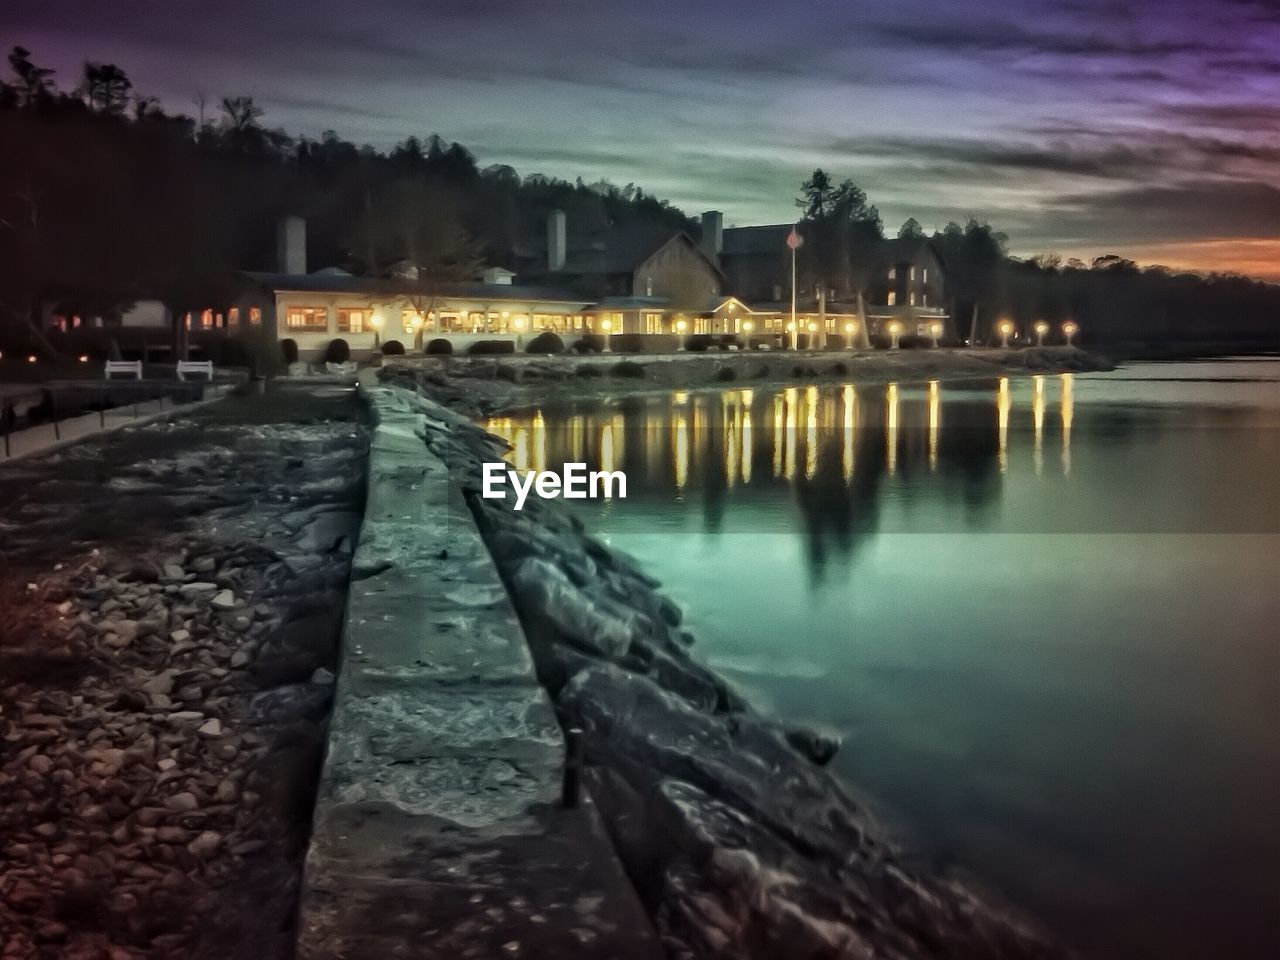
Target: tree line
(107,198)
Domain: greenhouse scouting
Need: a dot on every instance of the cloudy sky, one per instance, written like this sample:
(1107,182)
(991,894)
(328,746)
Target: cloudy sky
(1148,128)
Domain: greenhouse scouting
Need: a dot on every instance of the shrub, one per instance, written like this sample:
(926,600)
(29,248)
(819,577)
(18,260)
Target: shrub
(628,368)
(697,342)
(490,347)
(438,346)
(590,343)
(338,351)
(289,348)
(761,373)
(725,374)
(393,348)
(840,369)
(545,342)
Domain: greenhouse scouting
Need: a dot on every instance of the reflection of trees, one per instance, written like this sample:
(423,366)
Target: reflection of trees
(831,451)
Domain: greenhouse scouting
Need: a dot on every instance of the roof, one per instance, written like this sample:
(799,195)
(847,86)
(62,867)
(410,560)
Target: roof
(632,303)
(622,252)
(378,287)
(768,238)
(907,249)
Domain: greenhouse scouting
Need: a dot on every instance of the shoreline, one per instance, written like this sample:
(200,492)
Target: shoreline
(487,386)
(735,836)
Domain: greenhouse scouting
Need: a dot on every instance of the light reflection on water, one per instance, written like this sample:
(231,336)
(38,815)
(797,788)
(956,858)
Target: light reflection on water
(1042,611)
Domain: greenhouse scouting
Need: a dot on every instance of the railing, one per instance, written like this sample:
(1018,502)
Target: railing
(55,404)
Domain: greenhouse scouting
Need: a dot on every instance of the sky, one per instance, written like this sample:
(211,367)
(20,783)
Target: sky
(1144,128)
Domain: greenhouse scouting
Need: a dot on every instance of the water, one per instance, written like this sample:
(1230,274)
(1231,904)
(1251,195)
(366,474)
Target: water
(1042,613)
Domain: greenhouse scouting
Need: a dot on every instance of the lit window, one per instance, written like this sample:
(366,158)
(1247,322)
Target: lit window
(653,323)
(893,273)
(255,317)
(924,299)
(648,286)
(233,317)
(307,318)
(186,321)
(352,321)
(893,297)
(912,299)
(924,275)
(911,275)
(206,319)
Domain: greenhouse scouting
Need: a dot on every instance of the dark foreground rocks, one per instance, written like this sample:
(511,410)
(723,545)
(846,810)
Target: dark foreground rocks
(170,601)
(738,840)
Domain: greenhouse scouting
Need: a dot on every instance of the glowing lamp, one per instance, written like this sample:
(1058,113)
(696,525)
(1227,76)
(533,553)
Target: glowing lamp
(895,327)
(520,323)
(812,327)
(1042,328)
(31,359)
(1006,328)
(937,329)
(850,327)
(681,326)
(747,326)
(84,358)
(1069,328)
(791,328)
(606,324)
(376,321)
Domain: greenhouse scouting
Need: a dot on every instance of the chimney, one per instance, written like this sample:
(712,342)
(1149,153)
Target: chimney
(555,241)
(291,246)
(712,233)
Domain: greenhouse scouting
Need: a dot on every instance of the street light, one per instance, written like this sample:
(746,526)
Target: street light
(1042,329)
(376,321)
(1069,330)
(606,325)
(849,329)
(519,324)
(895,331)
(935,331)
(681,327)
(1006,328)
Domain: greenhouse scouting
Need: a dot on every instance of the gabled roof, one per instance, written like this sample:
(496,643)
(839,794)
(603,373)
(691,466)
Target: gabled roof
(374,287)
(907,249)
(621,252)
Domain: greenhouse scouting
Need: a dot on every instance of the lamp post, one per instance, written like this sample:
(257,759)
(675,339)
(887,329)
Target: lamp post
(605,326)
(895,331)
(1069,330)
(1042,330)
(1006,328)
(813,340)
(681,327)
(376,321)
(794,240)
(747,327)
(519,325)
(935,333)
(849,329)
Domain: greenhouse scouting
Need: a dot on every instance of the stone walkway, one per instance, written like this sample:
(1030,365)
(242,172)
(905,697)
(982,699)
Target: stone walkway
(439,831)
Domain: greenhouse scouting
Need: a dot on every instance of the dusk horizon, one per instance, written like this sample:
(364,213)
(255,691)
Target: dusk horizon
(1074,129)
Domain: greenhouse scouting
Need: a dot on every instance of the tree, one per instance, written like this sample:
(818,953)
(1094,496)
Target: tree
(105,87)
(816,195)
(973,255)
(911,230)
(34,83)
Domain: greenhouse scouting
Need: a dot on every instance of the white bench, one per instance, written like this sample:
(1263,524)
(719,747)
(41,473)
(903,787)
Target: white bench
(131,368)
(195,366)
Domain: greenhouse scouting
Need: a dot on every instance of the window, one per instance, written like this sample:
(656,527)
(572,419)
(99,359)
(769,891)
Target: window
(912,299)
(255,317)
(352,321)
(233,318)
(307,318)
(924,274)
(893,297)
(911,275)
(924,299)
(893,273)
(206,319)
(648,286)
(653,323)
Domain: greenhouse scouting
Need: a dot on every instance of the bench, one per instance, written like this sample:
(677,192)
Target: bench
(131,368)
(195,366)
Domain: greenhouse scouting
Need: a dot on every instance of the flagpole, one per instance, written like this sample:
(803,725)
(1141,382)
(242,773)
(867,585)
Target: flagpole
(795,328)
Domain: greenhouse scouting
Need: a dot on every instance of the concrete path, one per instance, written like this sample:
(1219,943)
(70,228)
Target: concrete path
(439,831)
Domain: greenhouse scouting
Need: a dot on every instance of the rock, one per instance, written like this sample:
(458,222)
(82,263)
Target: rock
(206,844)
(174,571)
(210,728)
(549,600)
(46,831)
(180,636)
(167,764)
(818,747)
(241,623)
(322,677)
(183,802)
(40,764)
(204,564)
(227,792)
(240,659)
(224,600)
(161,683)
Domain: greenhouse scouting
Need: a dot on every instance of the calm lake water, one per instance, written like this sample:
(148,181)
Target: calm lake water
(1043,614)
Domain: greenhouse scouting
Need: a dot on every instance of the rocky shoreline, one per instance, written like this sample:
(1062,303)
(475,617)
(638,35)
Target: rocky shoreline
(172,598)
(737,839)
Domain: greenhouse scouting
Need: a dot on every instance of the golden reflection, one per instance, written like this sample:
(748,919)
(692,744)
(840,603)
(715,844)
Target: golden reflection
(811,433)
(730,425)
(746,445)
(849,419)
(935,422)
(1066,386)
(779,425)
(791,398)
(539,428)
(1037,420)
(577,436)
(521,456)
(680,450)
(891,428)
(1003,404)
(608,456)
